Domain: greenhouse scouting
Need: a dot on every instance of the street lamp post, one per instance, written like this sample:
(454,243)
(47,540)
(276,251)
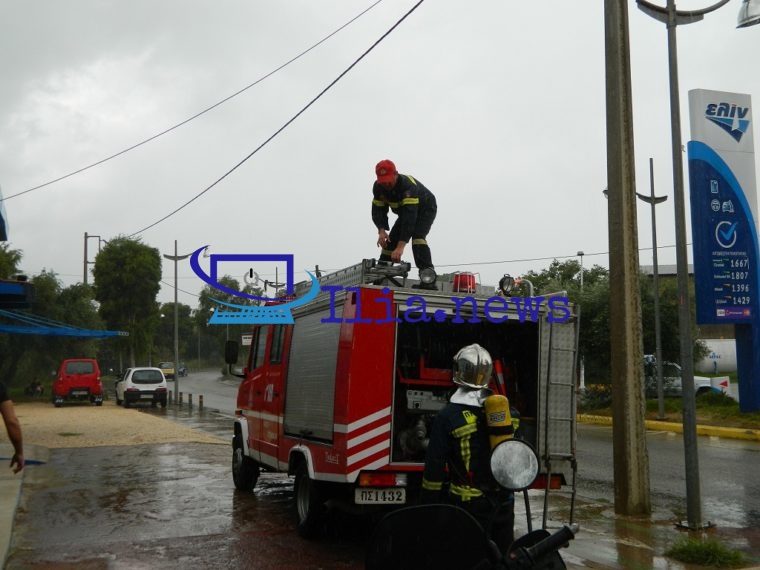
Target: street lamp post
(175,258)
(749,15)
(653,200)
(582,372)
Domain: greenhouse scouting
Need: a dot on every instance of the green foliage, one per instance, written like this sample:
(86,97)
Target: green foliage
(35,357)
(9,260)
(595,397)
(711,553)
(725,410)
(712,408)
(163,340)
(127,275)
(594,304)
(215,335)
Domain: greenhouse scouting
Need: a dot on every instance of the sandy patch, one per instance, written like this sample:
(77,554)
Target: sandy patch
(76,425)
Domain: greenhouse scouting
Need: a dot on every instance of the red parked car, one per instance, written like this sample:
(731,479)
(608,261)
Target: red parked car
(78,379)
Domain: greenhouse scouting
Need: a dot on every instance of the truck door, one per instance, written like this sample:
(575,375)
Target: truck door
(254,387)
(272,399)
(265,392)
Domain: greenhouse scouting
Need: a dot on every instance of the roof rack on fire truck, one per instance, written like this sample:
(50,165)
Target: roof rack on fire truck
(365,272)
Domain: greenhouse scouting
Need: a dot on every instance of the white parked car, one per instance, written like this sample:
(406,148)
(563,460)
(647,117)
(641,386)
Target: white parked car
(143,384)
(671,380)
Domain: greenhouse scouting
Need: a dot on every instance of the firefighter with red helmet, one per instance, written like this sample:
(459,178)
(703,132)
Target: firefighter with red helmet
(457,462)
(416,208)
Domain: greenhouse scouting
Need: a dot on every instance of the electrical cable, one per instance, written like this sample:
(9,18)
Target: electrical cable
(283,127)
(203,112)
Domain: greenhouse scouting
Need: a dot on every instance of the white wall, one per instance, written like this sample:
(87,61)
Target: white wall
(721,358)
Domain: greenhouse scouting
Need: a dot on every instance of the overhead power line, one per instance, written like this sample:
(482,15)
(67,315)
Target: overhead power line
(283,127)
(200,113)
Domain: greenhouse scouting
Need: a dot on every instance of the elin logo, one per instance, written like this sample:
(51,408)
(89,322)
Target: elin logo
(279,312)
(729,117)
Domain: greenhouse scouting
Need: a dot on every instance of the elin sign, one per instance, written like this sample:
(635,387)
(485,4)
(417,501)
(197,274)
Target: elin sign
(724,221)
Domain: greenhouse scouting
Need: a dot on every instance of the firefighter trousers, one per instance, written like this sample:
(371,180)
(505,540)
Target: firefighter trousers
(495,513)
(420,248)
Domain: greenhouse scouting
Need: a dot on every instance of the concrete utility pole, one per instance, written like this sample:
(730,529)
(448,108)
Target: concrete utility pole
(630,457)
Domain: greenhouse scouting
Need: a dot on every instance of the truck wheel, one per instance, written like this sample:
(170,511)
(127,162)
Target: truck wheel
(310,507)
(245,471)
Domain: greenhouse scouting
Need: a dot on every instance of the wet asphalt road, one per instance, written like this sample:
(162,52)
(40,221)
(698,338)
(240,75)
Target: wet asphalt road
(174,506)
(167,506)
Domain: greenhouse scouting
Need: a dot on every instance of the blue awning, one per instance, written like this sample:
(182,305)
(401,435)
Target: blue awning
(38,325)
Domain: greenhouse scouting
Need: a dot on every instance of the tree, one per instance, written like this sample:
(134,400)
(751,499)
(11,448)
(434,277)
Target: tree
(594,301)
(34,357)
(9,260)
(207,305)
(127,275)
(164,339)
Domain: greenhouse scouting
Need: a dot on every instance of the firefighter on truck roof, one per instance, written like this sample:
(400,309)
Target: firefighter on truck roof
(416,208)
(457,462)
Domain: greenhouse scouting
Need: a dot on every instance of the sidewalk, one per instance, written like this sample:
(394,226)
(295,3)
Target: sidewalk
(10,489)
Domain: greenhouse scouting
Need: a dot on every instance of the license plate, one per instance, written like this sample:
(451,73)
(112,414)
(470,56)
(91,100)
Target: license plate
(380,496)
(146,396)
(79,392)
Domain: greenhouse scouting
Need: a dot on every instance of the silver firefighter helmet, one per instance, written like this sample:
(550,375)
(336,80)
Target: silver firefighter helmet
(473,367)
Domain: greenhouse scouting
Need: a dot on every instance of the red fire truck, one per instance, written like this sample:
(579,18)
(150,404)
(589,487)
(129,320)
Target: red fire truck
(343,398)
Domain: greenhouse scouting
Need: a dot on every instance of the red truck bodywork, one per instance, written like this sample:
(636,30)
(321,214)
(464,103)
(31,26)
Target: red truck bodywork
(345,406)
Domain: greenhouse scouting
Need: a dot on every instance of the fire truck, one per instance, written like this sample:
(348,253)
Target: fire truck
(343,398)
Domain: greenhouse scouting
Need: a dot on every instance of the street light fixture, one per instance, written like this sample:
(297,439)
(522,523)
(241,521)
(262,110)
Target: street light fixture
(653,200)
(175,258)
(86,257)
(748,15)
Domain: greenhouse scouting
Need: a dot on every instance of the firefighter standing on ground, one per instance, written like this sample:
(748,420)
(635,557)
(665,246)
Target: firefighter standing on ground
(457,462)
(416,208)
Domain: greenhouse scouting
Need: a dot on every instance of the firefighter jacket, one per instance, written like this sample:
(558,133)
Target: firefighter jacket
(408,199)
(459,453)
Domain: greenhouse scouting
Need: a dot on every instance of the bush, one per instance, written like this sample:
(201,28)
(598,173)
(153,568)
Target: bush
(595,397)
(711,552)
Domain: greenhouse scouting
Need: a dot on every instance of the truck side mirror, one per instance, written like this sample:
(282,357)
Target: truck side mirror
(231,352)
(231,357)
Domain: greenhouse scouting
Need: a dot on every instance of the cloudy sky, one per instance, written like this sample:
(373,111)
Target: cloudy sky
(497,106)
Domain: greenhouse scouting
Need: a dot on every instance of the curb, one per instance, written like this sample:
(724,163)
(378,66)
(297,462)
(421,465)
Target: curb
(10,491)
(656,425)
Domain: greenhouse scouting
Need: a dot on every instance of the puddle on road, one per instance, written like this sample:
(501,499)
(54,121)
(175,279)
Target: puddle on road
(637,543)
(165,506)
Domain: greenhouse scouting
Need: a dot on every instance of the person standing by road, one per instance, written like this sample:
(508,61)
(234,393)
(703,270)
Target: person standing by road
(416,208)
(13,427)
(458,458)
